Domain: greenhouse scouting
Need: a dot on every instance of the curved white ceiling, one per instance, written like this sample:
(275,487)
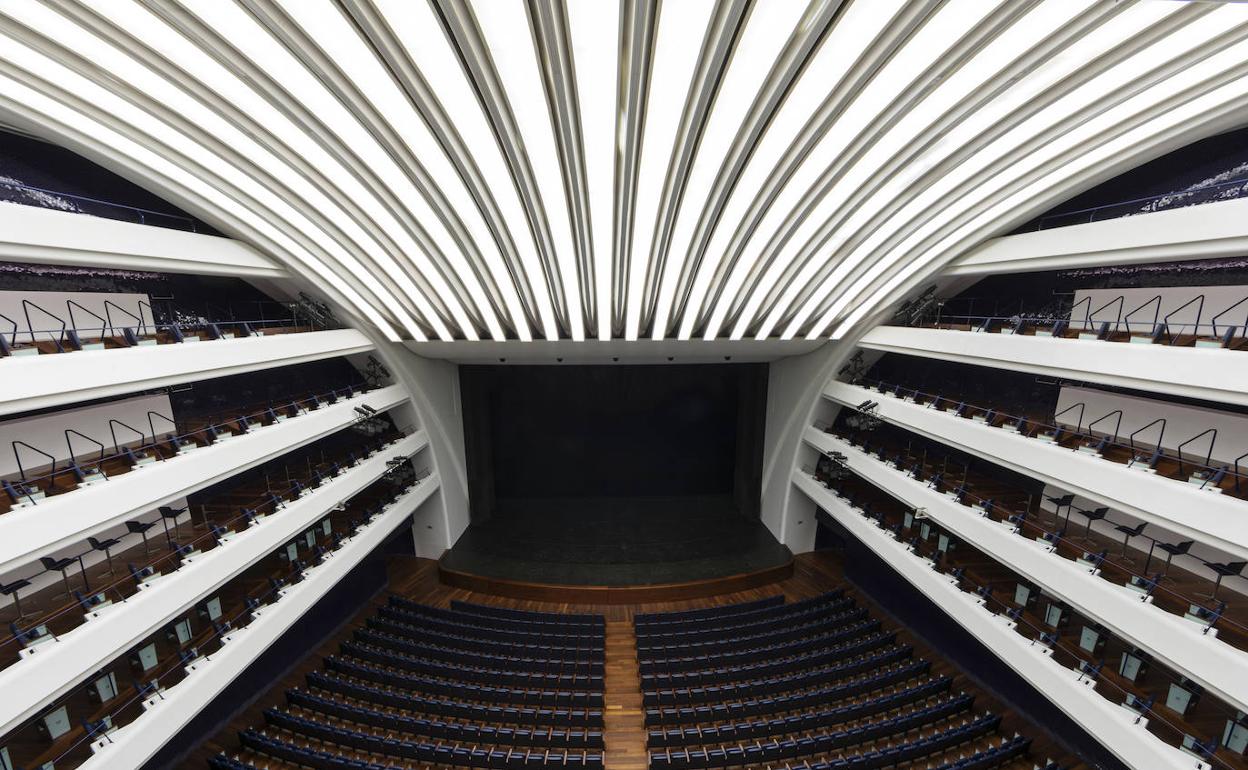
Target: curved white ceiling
(603,169)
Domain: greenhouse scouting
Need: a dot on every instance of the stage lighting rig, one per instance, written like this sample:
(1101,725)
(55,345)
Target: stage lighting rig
(375,372)
(854,370)
(864,416)
(837,467)
(920,310)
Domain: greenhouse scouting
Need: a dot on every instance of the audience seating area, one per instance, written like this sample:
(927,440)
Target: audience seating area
(811,684)
(469,686)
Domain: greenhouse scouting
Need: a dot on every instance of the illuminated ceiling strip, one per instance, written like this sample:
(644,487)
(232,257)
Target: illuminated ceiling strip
(935,89)
(48,111)
(262,49)
(835,126)
(783,78)
(717,46)
(762,40)
(121,111)
(674,64)
(859,127)
(594,25)
(1049,131)
(1218,109)
(793,126)
(172,47)
(515,60)
(419,29)
(325,26)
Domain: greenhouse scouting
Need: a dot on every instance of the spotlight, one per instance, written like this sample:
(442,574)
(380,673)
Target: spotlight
(864,417)
(365,411)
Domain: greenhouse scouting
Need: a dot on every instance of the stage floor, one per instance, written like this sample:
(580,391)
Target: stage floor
(646,543)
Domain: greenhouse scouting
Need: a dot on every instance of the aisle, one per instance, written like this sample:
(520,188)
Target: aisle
(624,730)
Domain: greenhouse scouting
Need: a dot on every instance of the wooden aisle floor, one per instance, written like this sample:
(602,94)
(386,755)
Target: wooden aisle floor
(625,734)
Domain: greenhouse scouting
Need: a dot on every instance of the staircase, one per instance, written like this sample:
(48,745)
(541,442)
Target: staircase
(624,729)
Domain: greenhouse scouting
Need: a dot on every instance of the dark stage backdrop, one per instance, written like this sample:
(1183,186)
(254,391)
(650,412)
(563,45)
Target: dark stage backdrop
(613,433)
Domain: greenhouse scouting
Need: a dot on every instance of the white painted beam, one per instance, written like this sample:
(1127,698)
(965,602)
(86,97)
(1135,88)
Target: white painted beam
(39,382)
(58,666)
(1207,231)
(1218,520)
(49,237)
(1108,722)
(1210,374)
(1181,644)
(132,745)
(67,519)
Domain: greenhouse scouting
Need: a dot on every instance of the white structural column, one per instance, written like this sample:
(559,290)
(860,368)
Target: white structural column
(67,519)
(1218,520)
(1207,231)
(58,666)
(1221,669)
(134,744)
(49,237)
(1210,374)
(1075,695)
(39,382)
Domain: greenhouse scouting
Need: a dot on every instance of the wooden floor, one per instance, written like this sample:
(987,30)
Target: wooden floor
(625,735)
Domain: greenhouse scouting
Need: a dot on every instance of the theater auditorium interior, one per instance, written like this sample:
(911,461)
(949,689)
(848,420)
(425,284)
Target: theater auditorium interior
(623,385)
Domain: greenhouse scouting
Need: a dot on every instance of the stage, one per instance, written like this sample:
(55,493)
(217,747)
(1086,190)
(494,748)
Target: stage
(638,543)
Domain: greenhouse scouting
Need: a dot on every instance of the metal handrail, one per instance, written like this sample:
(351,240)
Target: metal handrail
(1237,459)
(10,320)
(1214,321)
(1199,311)
(1078,425)
(1117,425)
(30,327)
(1149,199)
(152,426)
(1208,455)
(1156,312)
(70,305)
(18,458)
(1120,299)
(142,212)
(113,430)
(69,445)
(1160,436)
(109,303)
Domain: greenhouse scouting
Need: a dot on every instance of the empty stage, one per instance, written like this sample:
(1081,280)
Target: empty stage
(652,547)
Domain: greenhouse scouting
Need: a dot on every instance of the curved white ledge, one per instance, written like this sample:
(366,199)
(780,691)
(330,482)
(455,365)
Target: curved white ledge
(58,666)
(1109,723)
(67,519)
(1210,374)
(1207,231)
(1221,669)
(49,237)
(1217,520)
(135,743)
(38,382)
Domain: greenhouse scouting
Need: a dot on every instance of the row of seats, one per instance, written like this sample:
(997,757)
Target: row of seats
(507,612)
(776,750)
(387,621)
(852,641)
(805,698)
(451,731)
(779,684)
(361,668)
(486,713)
(468,674)
(531,624)
(662,618)
(814,636)
(810,621)
(449,654)
(757,623)
(441,754)
(797,722)
(468,627)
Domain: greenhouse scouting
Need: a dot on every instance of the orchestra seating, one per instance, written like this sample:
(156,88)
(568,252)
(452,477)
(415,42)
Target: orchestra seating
(470,686)
(815,684)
